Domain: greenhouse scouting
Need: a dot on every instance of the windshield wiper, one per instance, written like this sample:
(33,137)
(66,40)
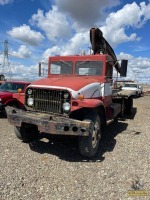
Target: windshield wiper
(65,63)
(86,61)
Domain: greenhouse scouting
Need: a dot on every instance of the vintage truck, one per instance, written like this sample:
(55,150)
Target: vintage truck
(76,98)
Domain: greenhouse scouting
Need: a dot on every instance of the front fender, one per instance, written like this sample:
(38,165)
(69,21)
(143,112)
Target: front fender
(86,103)
(19,97)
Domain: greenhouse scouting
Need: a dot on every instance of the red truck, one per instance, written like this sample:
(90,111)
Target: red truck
(7,91)
(76,98)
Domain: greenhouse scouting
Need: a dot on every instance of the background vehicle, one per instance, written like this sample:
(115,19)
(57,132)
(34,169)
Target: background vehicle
(7,89)
(135,87)
(75,99)
(2,79)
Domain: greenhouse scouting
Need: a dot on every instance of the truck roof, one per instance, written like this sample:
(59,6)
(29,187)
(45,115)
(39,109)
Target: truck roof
(18,81)
(80,57)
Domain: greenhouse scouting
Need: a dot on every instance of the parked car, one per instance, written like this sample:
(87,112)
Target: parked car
(7,92)
(135,87)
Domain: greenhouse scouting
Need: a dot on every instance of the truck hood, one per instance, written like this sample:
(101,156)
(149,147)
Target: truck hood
(87,86)
(74,83)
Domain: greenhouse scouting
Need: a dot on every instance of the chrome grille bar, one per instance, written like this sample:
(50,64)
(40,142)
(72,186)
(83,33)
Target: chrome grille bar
(48,101)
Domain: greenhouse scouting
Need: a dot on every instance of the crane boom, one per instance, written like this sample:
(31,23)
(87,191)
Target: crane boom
(100,45)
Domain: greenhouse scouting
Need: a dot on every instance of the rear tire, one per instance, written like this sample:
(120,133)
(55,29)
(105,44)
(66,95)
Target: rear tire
(26,134)
(129,105)
(88,145)
(121,114)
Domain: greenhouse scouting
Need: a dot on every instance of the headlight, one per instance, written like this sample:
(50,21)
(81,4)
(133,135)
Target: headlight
(0,99)
(29,91)
(66,106)
(30,101)
(66,95)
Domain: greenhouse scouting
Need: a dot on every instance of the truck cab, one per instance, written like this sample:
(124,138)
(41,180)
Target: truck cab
(89,77)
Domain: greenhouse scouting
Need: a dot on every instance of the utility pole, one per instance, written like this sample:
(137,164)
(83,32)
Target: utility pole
(6,64)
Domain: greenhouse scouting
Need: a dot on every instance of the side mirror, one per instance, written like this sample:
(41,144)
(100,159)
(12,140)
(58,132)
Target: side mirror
(19,90)
(123,68)
(39,68)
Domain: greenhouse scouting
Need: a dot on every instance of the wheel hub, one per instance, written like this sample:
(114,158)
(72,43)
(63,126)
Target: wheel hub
(95,135)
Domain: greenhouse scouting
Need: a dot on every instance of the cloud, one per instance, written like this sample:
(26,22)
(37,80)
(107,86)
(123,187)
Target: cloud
(68,37)
(138,68)
(126,56)
(117,23)
(74,46)
(85,13)
(53,23)
(3,2)
(25,34)
(20,71)
(23,52)
(145,13)
(67,26)
(23,72)
(55,50)
(139,48)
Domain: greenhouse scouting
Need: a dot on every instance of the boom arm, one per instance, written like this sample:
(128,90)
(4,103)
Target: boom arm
(100,45)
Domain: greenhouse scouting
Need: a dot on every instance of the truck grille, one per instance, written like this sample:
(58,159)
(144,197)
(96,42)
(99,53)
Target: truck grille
(48,100)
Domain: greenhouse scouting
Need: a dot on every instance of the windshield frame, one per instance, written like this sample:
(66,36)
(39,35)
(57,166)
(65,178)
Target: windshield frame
(130,85)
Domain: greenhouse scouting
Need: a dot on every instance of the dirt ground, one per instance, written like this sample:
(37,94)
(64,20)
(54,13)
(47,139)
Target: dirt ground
(52,168)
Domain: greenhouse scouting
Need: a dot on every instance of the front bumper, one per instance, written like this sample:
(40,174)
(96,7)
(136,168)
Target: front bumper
(48,123)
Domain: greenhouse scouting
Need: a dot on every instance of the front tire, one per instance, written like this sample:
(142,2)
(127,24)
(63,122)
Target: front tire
(88,145)
(26,134)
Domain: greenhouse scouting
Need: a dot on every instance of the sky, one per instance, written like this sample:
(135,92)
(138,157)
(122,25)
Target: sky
(33,30)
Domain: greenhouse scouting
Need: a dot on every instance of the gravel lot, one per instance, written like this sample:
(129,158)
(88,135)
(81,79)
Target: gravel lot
(51,168)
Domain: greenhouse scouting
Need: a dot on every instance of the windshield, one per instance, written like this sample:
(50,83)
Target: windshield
(12,87)
(130,85)
(61,67)
(91,68)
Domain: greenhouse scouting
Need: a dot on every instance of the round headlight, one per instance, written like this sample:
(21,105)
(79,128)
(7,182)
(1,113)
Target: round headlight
(66,95)
(29,91)
(30,101)
(66,106)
